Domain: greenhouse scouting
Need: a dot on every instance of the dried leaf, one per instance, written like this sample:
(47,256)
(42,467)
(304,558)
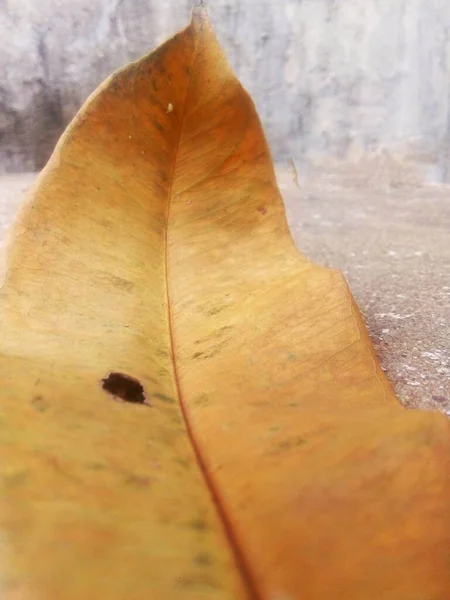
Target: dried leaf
(189,408)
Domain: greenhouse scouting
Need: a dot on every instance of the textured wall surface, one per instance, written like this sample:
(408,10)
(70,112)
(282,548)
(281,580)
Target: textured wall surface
(332,79)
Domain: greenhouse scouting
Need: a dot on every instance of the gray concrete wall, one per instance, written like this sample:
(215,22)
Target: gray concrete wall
(332,79)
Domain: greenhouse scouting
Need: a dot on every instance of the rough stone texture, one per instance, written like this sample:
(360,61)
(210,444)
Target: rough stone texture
(331,79)
(389,236)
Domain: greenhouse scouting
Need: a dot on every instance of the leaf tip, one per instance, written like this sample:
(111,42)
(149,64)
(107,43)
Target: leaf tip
(200,13)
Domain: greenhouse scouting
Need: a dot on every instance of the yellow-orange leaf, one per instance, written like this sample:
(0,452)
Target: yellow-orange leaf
(259,451)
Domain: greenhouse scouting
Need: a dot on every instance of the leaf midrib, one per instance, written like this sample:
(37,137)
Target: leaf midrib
(241,563)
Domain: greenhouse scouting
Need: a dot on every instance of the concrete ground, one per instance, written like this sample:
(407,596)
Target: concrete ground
(390,236)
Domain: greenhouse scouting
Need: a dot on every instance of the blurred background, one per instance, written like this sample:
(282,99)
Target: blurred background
(333,80)
(354,96)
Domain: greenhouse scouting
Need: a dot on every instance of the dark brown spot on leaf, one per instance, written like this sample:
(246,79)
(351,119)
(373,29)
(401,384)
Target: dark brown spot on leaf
(125,387)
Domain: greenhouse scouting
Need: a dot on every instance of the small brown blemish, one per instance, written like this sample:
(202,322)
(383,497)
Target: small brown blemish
(164,398)
(262,210)
(186,582)
(215,335)
(212,351)
(39,403)
(183,462)
(158,125)
(214,310)
(177,420)
(119,282)
(203,558)
(292,443)
(201,400)
(125,387)
(162,352)
(274,428)
(137,480)
(198,524)
(96,466)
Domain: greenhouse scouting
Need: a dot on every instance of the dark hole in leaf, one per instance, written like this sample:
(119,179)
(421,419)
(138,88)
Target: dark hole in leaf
(125,387)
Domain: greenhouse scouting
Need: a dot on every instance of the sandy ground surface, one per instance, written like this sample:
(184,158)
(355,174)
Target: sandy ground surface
(391,238)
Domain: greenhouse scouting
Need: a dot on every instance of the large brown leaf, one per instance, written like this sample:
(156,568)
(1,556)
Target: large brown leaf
(270,459)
